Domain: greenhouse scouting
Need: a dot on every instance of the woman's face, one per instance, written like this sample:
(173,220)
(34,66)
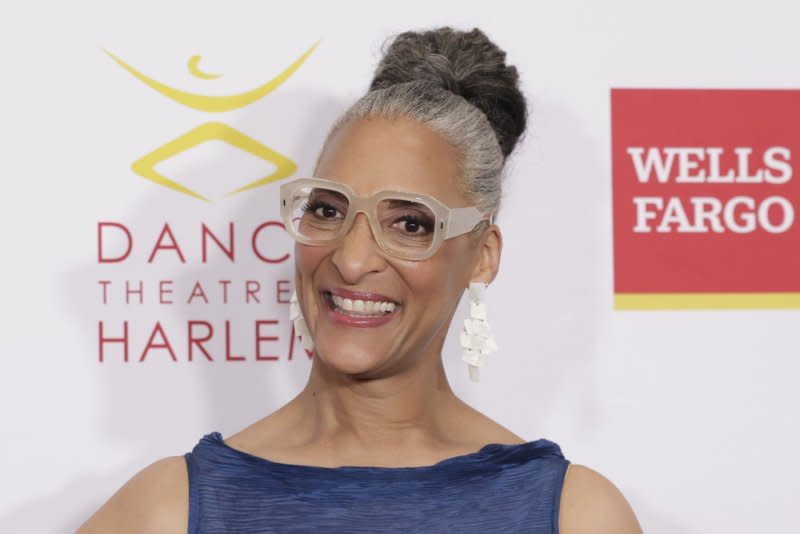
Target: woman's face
(369,156)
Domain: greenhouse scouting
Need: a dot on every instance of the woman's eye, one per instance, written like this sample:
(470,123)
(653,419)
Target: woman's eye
(326,212)
(321,210)
(413,225)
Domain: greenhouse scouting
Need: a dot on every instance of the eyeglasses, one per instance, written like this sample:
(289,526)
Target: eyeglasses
(406,225)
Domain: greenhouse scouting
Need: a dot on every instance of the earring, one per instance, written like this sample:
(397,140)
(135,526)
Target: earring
(300,326)
(476,337)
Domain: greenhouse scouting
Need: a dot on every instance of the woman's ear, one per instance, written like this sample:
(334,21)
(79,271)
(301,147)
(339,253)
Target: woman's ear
(490,247)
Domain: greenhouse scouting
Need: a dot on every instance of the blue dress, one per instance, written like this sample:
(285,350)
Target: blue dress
(499,489)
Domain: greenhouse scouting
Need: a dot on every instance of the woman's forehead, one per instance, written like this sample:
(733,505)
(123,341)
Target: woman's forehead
(378,154)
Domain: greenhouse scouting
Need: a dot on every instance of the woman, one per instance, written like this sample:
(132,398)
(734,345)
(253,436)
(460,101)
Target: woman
(395,225)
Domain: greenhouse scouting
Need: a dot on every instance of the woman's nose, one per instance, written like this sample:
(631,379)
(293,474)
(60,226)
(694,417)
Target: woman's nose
(358,253)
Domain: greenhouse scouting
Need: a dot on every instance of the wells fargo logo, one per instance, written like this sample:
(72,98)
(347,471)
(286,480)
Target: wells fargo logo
(213,130)
(706,196)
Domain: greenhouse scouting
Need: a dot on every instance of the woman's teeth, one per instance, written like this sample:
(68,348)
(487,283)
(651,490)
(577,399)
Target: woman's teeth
(362,307)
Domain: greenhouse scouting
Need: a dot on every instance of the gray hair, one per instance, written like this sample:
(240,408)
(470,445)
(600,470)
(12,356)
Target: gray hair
(457,84)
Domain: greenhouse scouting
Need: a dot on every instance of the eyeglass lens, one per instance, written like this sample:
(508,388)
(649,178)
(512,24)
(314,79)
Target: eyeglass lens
(406,226)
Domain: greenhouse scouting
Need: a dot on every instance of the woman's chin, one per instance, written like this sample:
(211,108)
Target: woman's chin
(349,357)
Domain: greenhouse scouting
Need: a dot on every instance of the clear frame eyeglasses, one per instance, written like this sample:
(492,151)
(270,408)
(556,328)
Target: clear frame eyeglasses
(405,225)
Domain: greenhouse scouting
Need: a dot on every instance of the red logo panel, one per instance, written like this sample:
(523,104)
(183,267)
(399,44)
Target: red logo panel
(706,198)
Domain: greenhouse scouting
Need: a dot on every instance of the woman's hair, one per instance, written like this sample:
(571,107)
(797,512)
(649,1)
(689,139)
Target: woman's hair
(457,84)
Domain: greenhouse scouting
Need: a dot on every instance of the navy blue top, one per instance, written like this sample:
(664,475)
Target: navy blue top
(499,489)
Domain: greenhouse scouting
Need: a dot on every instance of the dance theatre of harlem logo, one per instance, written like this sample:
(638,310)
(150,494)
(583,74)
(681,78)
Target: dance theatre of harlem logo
(132,298)
(706,198)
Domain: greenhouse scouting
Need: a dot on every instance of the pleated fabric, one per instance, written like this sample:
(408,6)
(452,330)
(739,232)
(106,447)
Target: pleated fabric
(498,489)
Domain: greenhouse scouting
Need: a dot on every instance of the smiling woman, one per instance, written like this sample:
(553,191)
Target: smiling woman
(395,224)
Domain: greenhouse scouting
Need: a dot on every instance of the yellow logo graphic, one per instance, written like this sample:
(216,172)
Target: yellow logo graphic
(214,130)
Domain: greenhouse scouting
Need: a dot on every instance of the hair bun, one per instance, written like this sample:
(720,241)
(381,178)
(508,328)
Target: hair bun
(466,63)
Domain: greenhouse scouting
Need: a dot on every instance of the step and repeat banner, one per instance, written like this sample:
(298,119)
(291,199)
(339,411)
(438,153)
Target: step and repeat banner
(647,308)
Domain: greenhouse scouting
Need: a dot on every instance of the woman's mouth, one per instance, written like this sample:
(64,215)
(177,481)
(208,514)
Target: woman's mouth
(359,311)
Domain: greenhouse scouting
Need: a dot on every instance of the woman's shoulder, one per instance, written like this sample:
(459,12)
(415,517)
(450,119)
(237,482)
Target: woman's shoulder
(154,500)
(591,503)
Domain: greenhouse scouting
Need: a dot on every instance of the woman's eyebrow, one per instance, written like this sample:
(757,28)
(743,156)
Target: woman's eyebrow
(327,193)
(401,203)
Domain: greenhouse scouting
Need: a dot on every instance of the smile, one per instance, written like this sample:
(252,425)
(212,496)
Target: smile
(346,308)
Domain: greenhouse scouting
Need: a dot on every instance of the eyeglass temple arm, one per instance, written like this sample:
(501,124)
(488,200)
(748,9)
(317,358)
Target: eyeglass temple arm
(462,220)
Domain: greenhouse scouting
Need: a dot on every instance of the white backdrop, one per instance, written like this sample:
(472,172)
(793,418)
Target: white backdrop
(692,414)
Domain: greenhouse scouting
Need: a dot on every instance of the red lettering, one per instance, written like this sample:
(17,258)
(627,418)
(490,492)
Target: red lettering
(255,243)
(104,283)
(172,246)
(292,338)
(199,341)
(283,292)
(228,251)
(162,291)
(260,338)
(197,291)
(103,340)
(225,284)
(228,356)
(100,257)
(249,291)
(163,345)
(129,292)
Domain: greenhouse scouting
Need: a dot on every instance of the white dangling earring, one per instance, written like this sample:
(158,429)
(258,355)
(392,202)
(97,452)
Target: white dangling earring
(300,326)
(476,338)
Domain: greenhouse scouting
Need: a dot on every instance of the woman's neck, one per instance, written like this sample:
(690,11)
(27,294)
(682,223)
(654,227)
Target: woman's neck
(408,410)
